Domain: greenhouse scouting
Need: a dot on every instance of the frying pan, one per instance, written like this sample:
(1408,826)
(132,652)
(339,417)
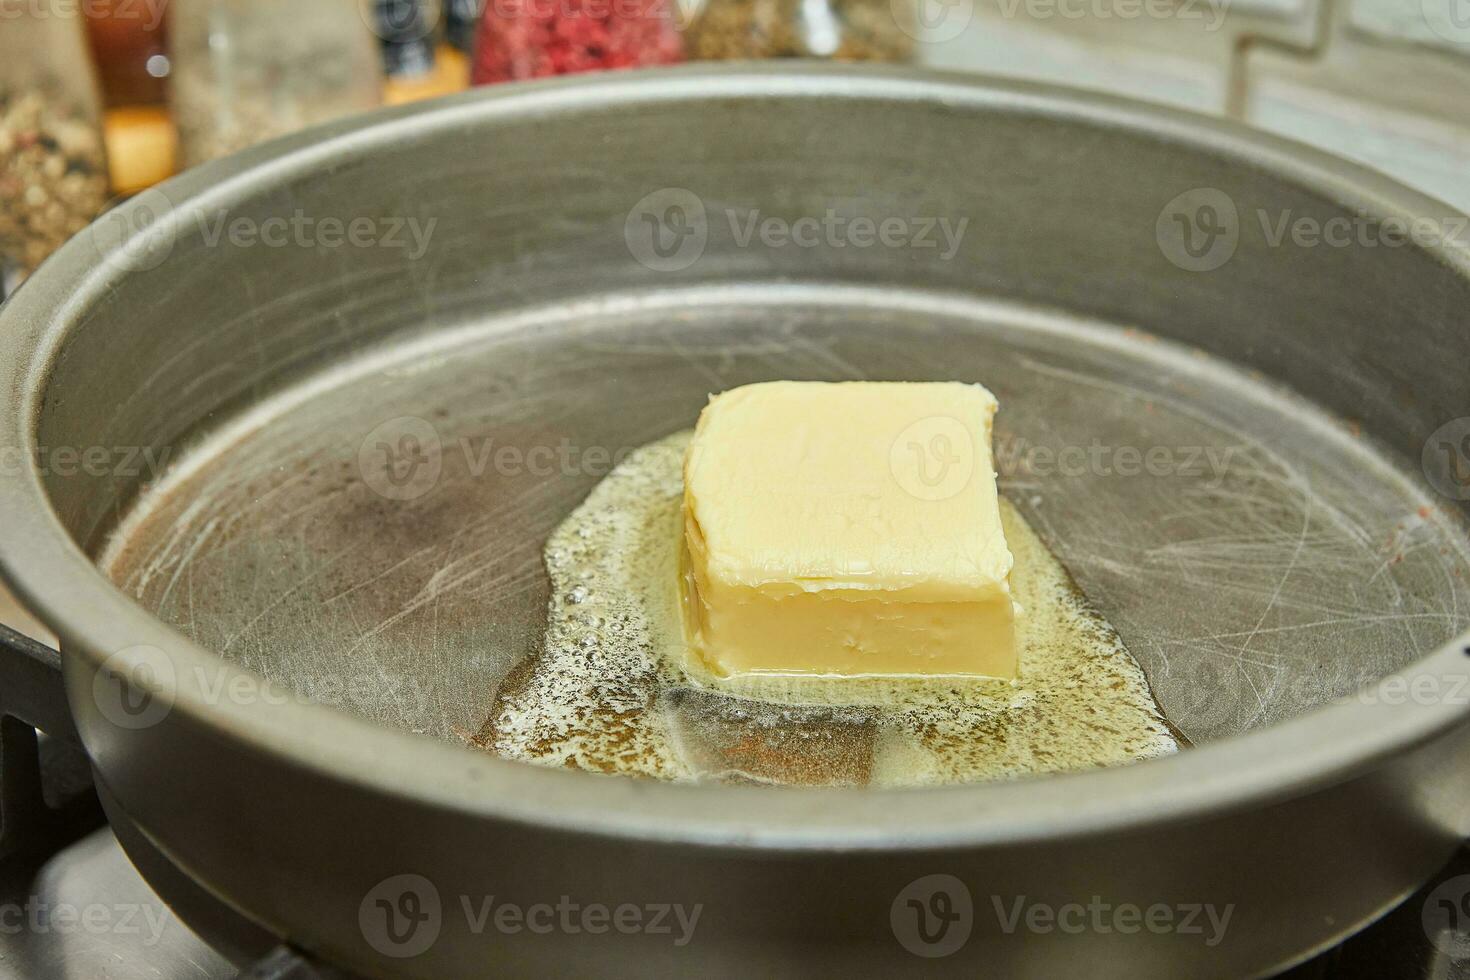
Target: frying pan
(280,668)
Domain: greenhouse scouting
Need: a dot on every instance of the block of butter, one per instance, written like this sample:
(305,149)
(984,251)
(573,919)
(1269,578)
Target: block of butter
(850,530)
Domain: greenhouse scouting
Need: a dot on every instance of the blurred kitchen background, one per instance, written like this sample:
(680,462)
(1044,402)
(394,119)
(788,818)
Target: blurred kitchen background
(100,99)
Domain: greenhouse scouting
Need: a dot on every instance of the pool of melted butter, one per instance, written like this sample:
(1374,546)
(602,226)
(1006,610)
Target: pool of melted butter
(615,691)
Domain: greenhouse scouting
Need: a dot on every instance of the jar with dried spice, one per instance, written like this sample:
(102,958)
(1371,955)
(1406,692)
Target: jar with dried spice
(245,71)
(844,30)
(53,169)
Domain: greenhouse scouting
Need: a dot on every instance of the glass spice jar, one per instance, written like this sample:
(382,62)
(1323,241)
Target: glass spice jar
(536,38)
(407,31)
(461,18)
(245,71)
(53,166)
(843,30)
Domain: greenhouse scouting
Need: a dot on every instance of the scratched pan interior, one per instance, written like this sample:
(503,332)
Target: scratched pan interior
(1282,550)
(1270,562)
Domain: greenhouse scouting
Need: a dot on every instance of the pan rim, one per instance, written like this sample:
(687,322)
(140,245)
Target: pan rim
(49,572)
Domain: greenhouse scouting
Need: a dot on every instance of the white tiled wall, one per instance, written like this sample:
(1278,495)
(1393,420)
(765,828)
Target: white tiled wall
(1391,89)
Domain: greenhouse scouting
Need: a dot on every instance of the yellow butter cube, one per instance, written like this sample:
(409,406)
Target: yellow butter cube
(848,529)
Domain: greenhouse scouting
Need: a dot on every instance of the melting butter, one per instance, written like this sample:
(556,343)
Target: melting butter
(610,692)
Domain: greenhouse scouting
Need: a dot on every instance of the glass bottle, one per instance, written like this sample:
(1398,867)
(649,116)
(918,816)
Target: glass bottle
(245,71)
(844,30)
(130,49)
(53,165)
(408,32)
(461,19)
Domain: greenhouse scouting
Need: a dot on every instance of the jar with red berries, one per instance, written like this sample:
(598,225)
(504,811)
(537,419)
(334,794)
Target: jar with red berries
(537,38)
